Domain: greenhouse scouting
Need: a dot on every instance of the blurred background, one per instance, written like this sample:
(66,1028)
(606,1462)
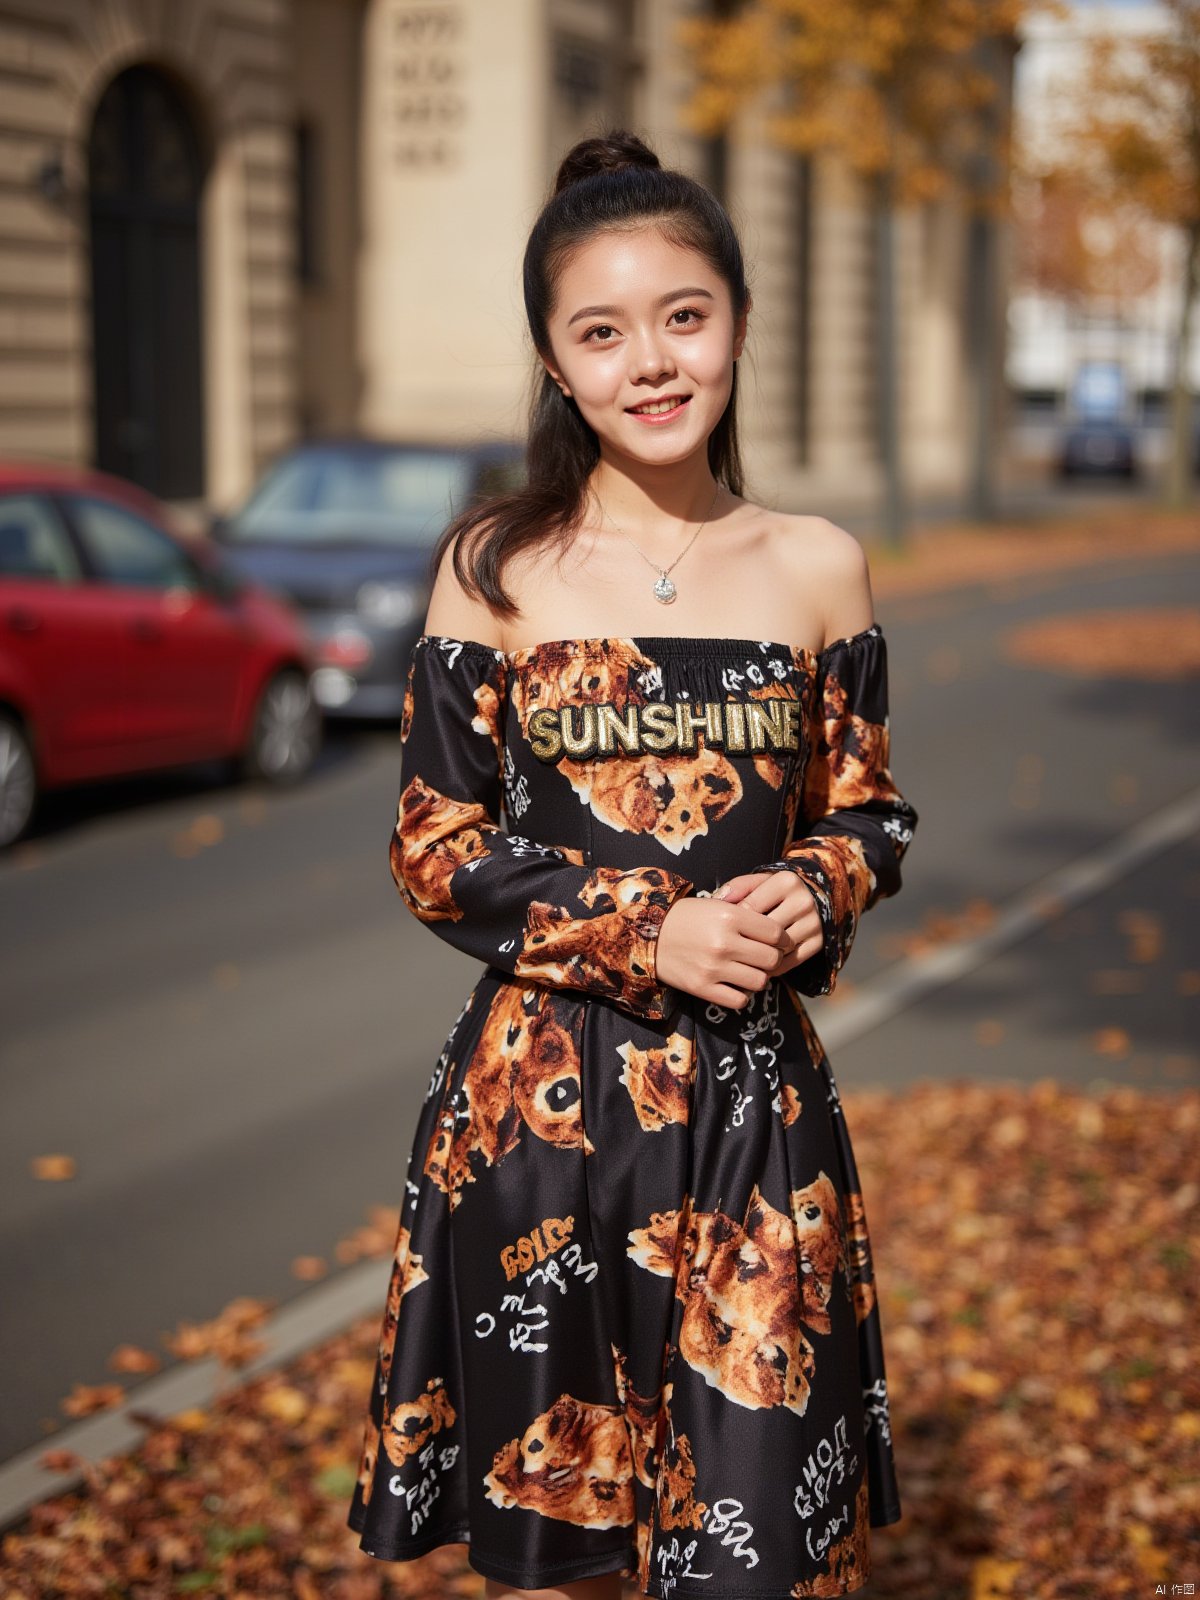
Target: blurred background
(261,335)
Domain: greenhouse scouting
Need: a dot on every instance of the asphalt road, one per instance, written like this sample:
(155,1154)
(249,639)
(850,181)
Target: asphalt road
(216,1003)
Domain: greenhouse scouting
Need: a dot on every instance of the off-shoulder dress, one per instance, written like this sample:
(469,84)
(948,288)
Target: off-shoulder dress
(632,1322)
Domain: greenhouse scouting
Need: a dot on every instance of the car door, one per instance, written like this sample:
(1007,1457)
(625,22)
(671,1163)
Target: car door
(185,649)
(60,656)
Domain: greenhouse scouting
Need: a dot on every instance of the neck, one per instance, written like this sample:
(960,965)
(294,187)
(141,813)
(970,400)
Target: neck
(663,502)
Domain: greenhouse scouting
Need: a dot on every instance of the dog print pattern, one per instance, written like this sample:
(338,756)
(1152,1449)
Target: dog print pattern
(631,1324)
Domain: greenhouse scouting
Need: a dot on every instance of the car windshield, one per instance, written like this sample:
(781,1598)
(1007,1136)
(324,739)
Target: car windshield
(336,496)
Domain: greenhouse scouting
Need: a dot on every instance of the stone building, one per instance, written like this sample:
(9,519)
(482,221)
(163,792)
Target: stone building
(225,224)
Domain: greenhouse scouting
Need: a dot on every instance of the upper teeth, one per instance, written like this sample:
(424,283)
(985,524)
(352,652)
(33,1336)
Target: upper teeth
(658,405)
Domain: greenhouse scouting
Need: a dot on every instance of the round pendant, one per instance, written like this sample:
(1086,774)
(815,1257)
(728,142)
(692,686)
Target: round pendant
(664,590)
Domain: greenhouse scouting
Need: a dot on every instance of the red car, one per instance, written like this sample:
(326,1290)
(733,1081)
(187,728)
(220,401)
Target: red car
(125,648)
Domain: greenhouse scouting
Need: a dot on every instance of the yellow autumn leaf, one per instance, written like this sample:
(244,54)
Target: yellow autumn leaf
(285,1404)
(53,1169)
(1076,1401)
(991,1578)
(193,1420)
(1150,1557)
(974,1380)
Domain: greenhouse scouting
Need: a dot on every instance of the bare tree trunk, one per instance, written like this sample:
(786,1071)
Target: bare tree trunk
(981,258)
(886,376)
(1179,476)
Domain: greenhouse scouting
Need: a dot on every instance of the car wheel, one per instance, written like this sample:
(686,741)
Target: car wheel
(18,780)
(286,733)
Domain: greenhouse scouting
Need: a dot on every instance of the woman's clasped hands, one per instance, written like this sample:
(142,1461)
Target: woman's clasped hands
(725,946)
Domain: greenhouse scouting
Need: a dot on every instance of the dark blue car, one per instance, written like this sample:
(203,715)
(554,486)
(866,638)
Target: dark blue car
(344,529)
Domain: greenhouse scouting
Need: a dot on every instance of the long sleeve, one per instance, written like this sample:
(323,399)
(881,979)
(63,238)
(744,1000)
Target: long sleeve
(854,825)
(535,910)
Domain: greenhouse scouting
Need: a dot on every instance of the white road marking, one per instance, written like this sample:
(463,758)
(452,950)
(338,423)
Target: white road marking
(910,979)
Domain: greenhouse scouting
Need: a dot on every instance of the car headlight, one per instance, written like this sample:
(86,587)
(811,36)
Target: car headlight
(390,603)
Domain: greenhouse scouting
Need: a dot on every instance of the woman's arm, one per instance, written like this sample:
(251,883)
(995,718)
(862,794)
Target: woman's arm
(854,825)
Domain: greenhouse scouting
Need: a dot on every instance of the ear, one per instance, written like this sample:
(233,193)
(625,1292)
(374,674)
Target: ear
(739,330)
(556,375)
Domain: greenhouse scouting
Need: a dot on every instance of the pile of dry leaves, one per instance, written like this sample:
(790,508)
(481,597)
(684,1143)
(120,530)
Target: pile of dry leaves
(1036,1251)
(1158,643)
(943,556)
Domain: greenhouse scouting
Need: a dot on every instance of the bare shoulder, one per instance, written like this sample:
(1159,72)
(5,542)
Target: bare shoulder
(820,557)
(455,612)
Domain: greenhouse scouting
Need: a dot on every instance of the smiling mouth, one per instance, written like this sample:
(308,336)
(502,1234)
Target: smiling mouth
(651,408)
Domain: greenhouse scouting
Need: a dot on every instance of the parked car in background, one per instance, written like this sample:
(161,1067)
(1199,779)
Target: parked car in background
(1095,447)
(125,648)
(1100,439)
(345,529)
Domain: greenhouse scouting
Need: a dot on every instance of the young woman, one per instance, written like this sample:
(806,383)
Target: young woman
(632,1325)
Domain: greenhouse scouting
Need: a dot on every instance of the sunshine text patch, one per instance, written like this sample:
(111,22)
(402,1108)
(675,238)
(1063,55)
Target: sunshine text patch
(749,727)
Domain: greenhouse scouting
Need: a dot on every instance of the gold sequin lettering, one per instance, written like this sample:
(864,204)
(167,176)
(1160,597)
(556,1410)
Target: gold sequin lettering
(688,719)
(764,722)
(583,743)
(658,726)
(544,738)
(583,731)
(613,725)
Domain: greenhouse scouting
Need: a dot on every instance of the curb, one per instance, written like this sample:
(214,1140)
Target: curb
(314,1315)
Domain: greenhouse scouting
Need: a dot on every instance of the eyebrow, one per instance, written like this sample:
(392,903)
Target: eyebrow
(612,311)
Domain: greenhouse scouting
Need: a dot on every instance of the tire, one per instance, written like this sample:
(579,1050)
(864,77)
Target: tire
(286,731)
(18,780)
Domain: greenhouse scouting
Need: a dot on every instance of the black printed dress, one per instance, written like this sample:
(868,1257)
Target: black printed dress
(632,1322)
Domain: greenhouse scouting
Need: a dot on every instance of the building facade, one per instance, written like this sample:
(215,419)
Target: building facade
(227,224)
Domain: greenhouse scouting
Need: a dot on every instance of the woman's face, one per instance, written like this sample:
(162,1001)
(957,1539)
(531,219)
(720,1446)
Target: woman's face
(639,320)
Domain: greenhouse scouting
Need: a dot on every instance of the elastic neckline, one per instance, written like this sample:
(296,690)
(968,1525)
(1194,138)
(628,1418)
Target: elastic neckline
(662,644)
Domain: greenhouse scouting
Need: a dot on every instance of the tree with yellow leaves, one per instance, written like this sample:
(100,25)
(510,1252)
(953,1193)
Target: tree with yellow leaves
(1134,145)
(911,94)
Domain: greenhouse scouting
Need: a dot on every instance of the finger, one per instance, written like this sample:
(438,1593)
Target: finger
(765,930)
(749,974)
(724,994)
(764,953)
(735,889)
(765,896)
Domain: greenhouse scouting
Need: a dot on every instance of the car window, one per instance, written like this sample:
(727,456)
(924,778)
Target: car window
(33,541)
(323,496)
(288,488)
(125,548)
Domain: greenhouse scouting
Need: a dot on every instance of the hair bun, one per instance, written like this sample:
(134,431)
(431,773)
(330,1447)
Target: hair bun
(610,152)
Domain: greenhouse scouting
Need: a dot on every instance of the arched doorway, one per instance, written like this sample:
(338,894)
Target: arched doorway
(146,171)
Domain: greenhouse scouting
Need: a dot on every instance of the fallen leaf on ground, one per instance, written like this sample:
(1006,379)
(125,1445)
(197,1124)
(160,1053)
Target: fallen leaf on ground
(943,927)
(1110,1041)
(53,1169)
(85,1398)
(309,1268)
(132,1358)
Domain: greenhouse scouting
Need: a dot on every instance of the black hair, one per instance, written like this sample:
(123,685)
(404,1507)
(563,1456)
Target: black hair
(611,181)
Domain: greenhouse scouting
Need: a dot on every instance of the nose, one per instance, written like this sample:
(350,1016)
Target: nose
(649,358)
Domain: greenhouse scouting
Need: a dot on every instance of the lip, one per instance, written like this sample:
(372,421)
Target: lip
(663,416)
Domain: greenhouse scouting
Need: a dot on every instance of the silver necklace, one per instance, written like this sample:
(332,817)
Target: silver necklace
(664,589)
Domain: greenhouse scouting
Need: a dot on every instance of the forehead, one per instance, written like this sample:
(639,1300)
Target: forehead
(630,267)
